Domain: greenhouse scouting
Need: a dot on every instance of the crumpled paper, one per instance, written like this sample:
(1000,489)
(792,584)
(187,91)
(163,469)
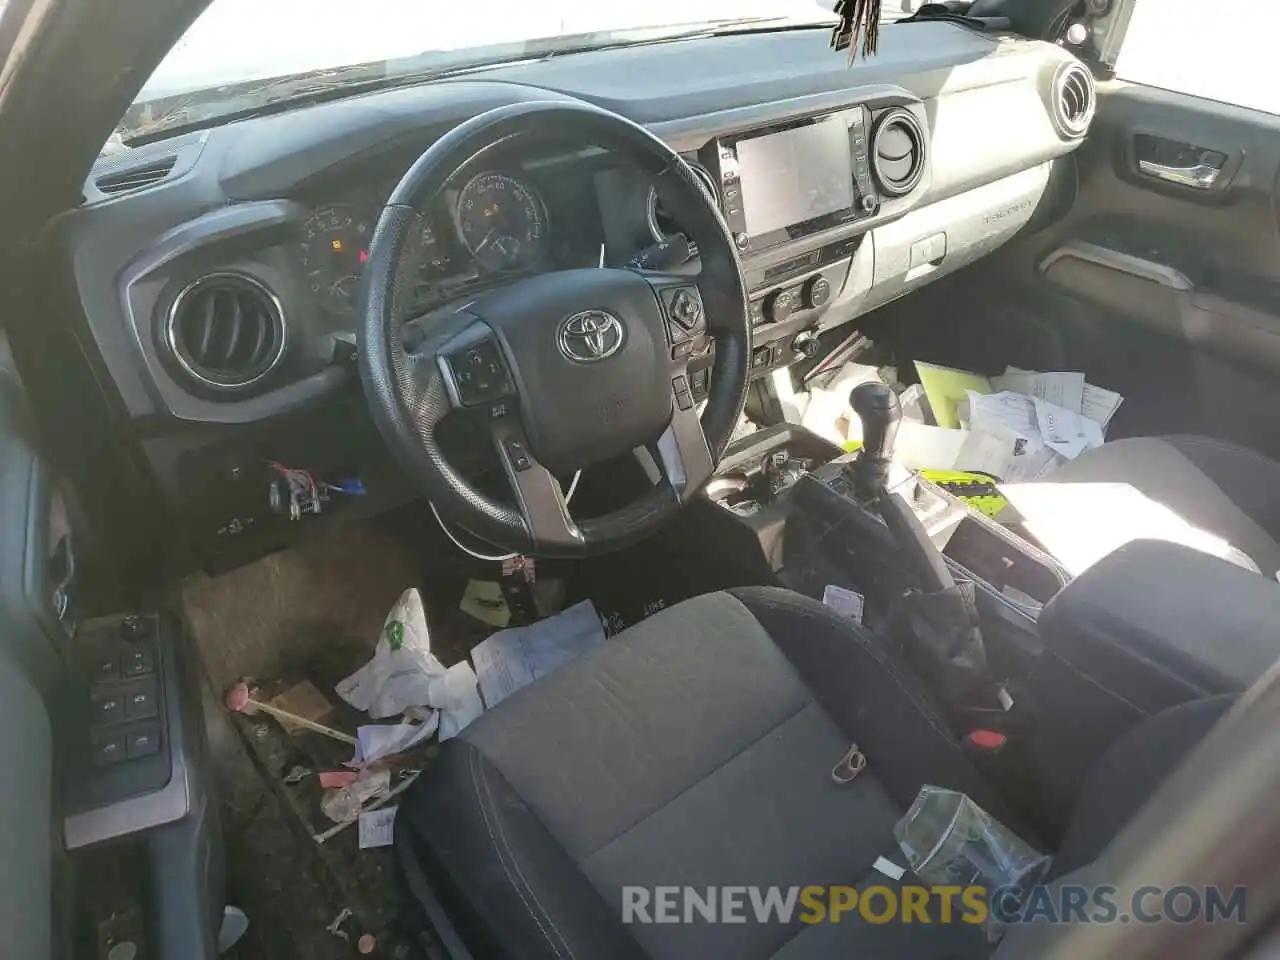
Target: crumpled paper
(404,673)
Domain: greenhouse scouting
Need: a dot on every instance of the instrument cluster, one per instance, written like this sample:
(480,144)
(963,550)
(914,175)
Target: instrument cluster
(495,225)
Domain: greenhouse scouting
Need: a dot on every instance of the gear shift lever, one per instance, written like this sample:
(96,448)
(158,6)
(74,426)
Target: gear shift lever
(941,618)
(880,412)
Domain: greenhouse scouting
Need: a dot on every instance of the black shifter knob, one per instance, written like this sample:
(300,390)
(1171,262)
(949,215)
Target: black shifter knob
(880,412)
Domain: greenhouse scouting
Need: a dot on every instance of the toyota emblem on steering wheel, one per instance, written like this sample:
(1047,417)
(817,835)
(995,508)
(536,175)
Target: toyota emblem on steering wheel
(590,336)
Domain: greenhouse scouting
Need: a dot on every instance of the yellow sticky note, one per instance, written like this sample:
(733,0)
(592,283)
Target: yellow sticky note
(945,388)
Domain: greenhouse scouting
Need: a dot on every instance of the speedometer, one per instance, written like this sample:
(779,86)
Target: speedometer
(502,222)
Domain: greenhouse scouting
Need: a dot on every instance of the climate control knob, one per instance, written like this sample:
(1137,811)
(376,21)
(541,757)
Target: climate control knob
(817,292)
(807,345)
(779,305)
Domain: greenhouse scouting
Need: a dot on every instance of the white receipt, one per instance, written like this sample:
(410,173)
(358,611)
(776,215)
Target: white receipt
(377,828)
(889,868)
(1096,403)
(1064,390)
(514,658)
(1013,411)
(1070,434)
(847,603)
(1100,405)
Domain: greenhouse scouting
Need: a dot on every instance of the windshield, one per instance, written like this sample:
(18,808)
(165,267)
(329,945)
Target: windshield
(239,42)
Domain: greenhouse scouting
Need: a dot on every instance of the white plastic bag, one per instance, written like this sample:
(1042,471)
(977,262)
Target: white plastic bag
(399,675)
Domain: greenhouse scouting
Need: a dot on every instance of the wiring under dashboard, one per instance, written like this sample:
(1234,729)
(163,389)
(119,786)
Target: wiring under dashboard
(573,487)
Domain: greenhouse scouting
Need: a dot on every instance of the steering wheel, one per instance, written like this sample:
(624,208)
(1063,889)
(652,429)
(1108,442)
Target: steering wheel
(564,369)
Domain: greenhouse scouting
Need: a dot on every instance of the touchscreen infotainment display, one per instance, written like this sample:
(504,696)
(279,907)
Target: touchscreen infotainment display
(795,175)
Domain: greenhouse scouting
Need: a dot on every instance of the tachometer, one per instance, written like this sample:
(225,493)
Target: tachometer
(334,252)
(502,222)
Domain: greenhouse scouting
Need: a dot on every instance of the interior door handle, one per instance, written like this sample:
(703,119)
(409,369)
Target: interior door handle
(1201,176)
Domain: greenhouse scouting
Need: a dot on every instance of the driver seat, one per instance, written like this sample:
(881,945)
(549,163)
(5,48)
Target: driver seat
(694,749)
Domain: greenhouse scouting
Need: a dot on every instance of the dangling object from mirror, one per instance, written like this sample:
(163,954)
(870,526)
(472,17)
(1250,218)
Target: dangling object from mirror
(859,20)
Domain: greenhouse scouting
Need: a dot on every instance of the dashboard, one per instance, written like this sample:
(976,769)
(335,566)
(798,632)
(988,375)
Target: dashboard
(216,274)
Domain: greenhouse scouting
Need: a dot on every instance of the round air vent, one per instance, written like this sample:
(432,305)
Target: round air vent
(226,331)
(1074,100)
(897,152)
(661,223)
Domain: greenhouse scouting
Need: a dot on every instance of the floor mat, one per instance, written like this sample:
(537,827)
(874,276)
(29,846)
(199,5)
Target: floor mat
(313,612)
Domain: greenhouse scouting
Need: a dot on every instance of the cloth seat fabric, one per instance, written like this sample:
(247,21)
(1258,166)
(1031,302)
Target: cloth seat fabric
(693,750)
(1220,487)
(696,750)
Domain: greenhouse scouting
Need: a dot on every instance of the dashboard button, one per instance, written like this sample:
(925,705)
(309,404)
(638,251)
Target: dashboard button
(106,710)
(518,455)
(108,751)
(779,305)
(761,358)
(142,743)
(141,704)
(139,661)
(106,669)
(817,292)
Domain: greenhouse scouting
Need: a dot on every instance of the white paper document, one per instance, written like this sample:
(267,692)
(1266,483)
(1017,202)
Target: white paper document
(1096,403)
(377,828)
(514,658)
(375,741)
(1064,390)
(1068,433)
(1013,411)
(1100,405)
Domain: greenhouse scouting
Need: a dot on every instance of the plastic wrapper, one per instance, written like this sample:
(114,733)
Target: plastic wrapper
(949,840)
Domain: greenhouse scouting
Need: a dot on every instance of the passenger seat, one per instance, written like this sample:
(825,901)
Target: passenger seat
(1222,488)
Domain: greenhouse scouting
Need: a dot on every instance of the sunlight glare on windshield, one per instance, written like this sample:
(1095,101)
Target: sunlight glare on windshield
(239,40)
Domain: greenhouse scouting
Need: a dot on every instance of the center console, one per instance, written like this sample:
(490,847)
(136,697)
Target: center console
(816,178)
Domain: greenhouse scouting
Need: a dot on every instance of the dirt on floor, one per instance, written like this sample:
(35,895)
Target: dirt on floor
(313,613)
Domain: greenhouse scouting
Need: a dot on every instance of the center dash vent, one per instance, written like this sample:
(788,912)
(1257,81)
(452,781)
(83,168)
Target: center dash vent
(226,331)
(1074,100)
(135,178)
(898,152)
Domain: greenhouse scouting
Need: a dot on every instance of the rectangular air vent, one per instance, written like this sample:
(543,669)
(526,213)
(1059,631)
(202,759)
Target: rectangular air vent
(135,178)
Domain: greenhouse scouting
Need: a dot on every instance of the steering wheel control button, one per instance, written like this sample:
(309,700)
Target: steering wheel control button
(518,455)
(817,293)
(683,307)
(680,387)
(682,350)
(479,373)
(590,336)
(686,310)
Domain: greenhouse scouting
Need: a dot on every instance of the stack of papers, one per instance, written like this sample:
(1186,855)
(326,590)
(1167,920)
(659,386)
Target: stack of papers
(1018,427)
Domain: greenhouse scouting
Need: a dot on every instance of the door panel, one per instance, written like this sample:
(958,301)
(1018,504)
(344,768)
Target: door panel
(26,808)
(1170,262)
